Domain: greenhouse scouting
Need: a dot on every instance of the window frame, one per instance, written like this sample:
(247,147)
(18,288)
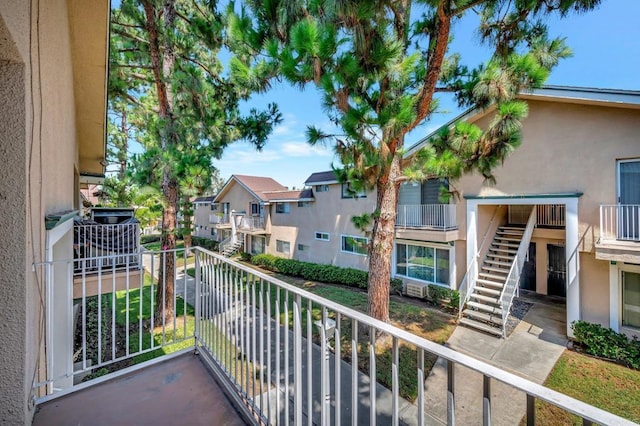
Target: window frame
(436,276)
(304,203)
(623,324)
(322,188)
(286,209)
(321,234)
(346,195)
(343,240)
(281,243)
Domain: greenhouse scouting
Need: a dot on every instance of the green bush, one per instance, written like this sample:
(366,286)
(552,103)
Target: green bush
(205,243)
(606,343)
(312,271)
(454,300)
(396,286)
(146,239)
(245,256)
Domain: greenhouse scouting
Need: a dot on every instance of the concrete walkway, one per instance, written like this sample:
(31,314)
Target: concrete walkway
(530,351)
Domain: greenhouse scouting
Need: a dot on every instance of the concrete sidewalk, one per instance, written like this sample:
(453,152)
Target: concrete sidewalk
(531,351)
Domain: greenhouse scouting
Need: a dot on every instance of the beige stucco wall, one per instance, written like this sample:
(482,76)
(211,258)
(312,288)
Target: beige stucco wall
(329,213)
(201,213)
(566,148)
(239,199)
(39,152)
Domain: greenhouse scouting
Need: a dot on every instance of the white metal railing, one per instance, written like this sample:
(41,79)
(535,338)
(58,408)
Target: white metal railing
(511,285)
(434,216)
(117,243)
(224,244)
(219,218)
(277,349)
(619,222)
(97,321)
(251,223)
(468,283)
(550,215)
(283,349)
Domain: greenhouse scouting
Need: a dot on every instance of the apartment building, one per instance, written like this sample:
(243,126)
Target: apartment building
(562,219)
(203,209)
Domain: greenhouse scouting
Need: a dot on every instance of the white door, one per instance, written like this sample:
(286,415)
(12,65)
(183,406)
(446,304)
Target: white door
(629,200)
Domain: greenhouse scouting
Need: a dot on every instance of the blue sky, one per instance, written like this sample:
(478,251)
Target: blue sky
(606,54)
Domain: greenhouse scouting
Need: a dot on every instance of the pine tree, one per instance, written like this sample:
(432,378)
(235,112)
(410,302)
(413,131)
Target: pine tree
(381,65)
(185,108)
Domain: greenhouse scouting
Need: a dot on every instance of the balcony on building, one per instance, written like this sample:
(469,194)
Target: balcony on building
(619,239)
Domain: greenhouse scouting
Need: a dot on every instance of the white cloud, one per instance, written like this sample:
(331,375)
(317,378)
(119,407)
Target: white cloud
(303,149)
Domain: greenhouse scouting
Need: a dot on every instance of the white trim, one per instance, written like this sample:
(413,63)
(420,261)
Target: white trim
(353,236)
(434,245)
(615,294)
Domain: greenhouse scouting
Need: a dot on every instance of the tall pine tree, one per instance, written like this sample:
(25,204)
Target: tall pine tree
(381,66)
(185,108)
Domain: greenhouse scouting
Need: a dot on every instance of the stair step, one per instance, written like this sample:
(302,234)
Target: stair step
(489,291)
(503,250)
(495,310)
(500,256)
(510,232)
(500,270)
(483,316)
(500,278)
(481,326)
(512,228)
(497,262)
(507,239)
(500,244)
(490,283)
(486,299)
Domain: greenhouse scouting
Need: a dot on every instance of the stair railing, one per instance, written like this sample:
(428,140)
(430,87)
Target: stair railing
(223,244)
(511,286)
(465,289)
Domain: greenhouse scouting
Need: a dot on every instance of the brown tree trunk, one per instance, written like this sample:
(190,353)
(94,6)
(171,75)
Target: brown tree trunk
(382,237)
(186,224)
(166,276)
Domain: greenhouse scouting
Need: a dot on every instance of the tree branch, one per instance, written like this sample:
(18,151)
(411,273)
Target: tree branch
(460,10)
(131,36)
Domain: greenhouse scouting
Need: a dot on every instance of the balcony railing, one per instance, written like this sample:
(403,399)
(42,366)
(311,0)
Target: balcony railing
(429,216)
(100,246)
(619,222)
(219,218)
(552,215)
(283,353)
(251,223)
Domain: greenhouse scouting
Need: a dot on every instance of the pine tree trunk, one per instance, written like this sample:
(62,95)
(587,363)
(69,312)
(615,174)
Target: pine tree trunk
(382,237)
(166,276)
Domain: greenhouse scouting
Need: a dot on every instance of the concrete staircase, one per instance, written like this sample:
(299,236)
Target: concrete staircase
(483,310)
(230,249)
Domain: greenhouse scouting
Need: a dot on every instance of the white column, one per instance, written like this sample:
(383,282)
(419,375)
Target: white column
(232,220)
(573,263)
(472,231)
(614,297)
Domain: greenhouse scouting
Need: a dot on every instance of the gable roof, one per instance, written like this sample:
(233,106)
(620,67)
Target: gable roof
(290,196)
(255,185)
(321,178)
(204,199)
(564,94)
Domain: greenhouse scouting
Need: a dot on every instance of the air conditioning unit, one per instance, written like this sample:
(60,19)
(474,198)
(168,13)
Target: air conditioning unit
(416,290)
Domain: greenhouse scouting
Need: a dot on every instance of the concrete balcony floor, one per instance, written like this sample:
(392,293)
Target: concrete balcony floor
(180,390)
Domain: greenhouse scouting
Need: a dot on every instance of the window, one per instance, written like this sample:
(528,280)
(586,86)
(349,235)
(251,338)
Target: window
(348,192)
(357,245)
(214,207)
(630,299)
(257,245)
(283,246)
(213,232)
(282,207)
(324,236)
(302,247)
(255,209)
(304,203)
(423,263)
(322,188)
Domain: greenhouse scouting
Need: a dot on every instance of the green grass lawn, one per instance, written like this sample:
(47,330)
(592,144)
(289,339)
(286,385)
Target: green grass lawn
(606,385)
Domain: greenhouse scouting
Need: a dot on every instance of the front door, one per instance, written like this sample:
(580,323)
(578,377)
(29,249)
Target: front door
(629,200)
(528,277)
(556,271)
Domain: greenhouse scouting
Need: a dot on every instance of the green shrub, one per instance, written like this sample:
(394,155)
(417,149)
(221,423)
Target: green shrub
(146,239)
(396,286)
(205,243)
(245,256)
(436,294)
(606,343)
(312,271)
(454,300)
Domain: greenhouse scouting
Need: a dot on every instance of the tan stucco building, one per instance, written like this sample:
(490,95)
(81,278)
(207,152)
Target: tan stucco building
(575,178)
(53,70)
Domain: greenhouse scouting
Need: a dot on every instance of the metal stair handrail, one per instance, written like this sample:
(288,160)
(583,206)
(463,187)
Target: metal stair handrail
(465,289)
(513,279)
(223,244)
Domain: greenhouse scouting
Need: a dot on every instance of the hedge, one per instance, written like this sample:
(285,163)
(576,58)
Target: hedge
(152,238)
(312,271)
(205,243)
(606,343)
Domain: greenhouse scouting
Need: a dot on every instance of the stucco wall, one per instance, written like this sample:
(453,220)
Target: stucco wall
(201,213)
(38,134)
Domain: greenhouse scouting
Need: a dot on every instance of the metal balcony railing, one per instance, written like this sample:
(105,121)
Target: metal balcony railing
(279,349)
(251,223)
(429,216)
(99,246)
(552,215)
(619,222)
(219,218)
